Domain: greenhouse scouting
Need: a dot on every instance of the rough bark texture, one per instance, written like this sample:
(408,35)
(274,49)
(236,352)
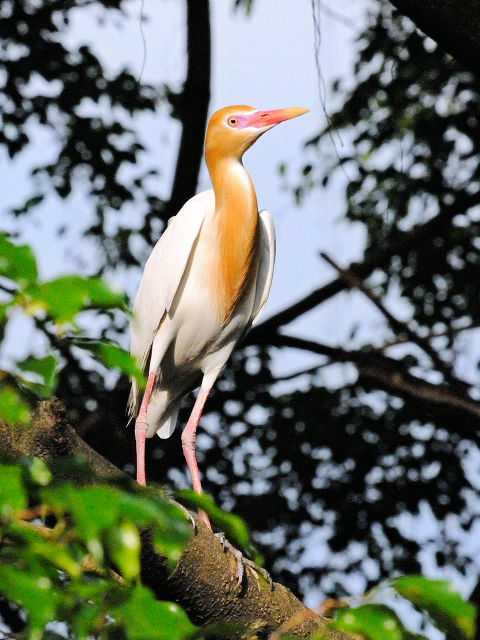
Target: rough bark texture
(454,24)
(204,581)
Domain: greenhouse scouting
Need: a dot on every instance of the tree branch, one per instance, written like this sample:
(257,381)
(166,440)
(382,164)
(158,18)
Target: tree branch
(391,375)
(406,241)
(196,92)
(204,581)
(399,327)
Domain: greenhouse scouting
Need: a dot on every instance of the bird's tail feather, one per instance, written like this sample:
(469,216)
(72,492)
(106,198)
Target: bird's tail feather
(168,426)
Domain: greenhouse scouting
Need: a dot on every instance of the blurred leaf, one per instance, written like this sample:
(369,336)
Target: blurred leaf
(13,409)
(12,492)
(47,369)
(442,602)
(38,471)
(373,621)
(171,529)
(17,262)
(114,357)
(35,593)
(234,528)
(123,544)
(148,619)
(64,297)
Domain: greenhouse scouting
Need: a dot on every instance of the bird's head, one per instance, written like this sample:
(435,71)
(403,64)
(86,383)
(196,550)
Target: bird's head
(232,130)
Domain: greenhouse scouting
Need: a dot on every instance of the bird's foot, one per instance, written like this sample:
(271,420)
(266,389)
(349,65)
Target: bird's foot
(243,562)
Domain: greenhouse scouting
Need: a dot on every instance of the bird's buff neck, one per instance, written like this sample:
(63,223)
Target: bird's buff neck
(236,217)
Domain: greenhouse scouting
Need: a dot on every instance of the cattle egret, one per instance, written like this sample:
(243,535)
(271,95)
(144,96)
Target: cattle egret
(204,285)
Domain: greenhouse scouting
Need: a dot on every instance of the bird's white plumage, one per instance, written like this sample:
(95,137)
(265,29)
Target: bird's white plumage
(176,331)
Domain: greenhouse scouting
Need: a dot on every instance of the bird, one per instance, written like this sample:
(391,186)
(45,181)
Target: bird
(204,286)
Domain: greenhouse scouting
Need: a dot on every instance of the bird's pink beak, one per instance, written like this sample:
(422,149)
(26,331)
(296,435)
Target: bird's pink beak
(261,119)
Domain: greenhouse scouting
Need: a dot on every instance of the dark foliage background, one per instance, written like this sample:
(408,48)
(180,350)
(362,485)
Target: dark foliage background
(376,475)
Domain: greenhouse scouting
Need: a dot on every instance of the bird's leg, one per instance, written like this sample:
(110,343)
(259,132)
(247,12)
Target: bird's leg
(141,428)
(189,437)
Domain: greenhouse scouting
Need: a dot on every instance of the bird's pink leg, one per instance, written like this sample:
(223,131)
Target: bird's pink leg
(141,428)
(189,437)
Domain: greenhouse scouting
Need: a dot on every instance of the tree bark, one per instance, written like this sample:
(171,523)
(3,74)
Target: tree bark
(453,24)
(204,581)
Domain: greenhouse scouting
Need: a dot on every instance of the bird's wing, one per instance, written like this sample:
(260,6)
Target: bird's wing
(164,270)
(265,268)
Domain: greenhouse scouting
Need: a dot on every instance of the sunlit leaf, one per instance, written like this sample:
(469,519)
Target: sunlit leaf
(148,619)
(114,357)
(442,602)
(373,621)
(12,492)
(64,297)
(123,544)
(13,409)
(45,371)
(38,472)
(17,262)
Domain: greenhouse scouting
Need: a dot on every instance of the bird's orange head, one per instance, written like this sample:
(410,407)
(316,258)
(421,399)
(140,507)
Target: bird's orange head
(232,130)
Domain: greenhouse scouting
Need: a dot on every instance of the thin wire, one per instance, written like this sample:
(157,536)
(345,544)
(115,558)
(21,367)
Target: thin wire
(144,42)
(322,90)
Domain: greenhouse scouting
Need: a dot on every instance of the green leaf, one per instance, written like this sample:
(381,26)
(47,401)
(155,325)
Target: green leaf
(13,409)
(171,529)
(234,528)
(64,297)
(114,357)
(38,472)
(442,602)
(148,619)
(12,492)
(123,545)
(94,510)
(17,262)
(35,593)
(373,621)
(45,371)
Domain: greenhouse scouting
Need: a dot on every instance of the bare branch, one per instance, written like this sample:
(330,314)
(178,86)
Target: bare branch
(391,375)
(400,327)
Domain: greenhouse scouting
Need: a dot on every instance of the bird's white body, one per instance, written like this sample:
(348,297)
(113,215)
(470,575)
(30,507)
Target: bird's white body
(204,285)
(178,331)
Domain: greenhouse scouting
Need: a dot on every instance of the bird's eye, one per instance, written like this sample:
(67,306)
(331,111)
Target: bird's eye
(232,121)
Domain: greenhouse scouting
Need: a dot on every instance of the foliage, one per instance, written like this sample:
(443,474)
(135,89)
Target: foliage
(53,306)
(437,600)
(63,573)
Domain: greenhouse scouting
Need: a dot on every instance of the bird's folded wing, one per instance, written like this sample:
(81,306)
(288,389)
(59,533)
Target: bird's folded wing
(265,268)
(164,270)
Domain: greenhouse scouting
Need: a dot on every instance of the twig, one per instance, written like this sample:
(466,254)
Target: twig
(449,332)
(406,242)
(401,327)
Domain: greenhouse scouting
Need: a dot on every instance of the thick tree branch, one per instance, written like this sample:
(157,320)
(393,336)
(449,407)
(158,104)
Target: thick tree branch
(204,581)
(451,23)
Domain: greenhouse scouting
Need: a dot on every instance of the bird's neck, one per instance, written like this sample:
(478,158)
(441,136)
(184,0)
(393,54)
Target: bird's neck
(236,220)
